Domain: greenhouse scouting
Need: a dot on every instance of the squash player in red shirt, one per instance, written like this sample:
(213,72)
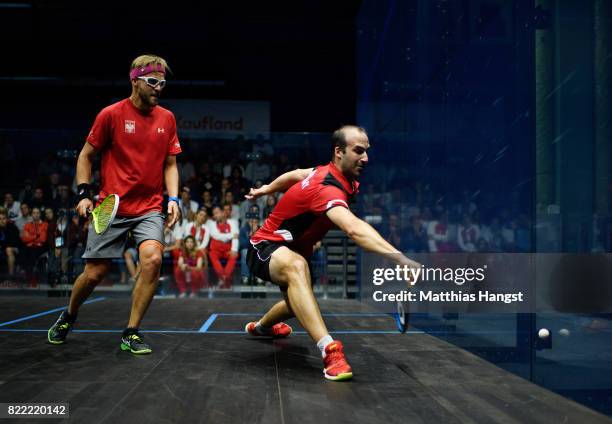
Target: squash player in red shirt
(316,199)
(138,143)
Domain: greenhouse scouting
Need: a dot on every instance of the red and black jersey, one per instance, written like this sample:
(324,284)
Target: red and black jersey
(299,219)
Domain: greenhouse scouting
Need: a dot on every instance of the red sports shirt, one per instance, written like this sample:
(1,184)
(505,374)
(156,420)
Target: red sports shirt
(299,219)
(134,148)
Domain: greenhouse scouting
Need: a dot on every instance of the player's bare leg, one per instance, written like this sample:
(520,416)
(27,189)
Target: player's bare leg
(150,254)
(290,270)
(281,311)
(92,275)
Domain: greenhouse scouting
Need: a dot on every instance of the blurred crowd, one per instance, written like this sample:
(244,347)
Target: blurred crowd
(39,231)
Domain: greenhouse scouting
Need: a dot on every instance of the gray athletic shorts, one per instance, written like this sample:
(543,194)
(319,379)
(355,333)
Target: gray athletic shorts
(111,244)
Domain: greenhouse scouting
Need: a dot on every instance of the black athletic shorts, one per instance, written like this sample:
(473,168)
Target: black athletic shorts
(258,258)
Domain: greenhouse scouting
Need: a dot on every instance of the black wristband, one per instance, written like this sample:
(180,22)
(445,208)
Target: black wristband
(83,191)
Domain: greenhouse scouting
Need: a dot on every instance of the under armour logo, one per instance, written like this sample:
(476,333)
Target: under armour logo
(160,130)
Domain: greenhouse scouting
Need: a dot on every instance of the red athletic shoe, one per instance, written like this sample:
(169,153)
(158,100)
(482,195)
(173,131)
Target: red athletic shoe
(279,330)
(336,367)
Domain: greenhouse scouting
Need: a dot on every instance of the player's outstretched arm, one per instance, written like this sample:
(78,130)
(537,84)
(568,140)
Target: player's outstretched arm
(366,236)
(281,183)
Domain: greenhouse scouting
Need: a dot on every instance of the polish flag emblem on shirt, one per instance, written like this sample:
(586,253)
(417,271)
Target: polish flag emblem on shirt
(130,127)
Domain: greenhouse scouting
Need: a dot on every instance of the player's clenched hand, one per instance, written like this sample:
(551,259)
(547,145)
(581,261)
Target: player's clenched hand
(254,193)
(173,214)
(83,206)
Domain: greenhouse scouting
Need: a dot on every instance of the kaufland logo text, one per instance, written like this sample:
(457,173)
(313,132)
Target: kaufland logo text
(210,123)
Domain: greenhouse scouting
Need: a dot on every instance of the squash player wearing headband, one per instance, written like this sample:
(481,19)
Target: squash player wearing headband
(316,199)
(138,143)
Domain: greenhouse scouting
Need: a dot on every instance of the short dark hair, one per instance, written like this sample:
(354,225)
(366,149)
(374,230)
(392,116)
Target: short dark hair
(339,137)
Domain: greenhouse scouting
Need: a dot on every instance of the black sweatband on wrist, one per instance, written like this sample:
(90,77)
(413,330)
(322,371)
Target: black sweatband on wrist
(83,191)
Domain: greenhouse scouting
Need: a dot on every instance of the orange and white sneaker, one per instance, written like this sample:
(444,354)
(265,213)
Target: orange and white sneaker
(336,367)
(277,331)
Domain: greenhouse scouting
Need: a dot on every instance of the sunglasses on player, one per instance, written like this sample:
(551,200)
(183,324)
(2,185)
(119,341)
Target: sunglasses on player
(153,82)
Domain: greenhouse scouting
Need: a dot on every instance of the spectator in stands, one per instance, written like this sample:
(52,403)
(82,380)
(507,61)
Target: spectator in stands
(235,209)
(24,218)
(38,199)
(223,245)
(187,206)
(228,168)
(468,234)
(438,234)
(247,206)
(257,170)
(391,231)
(226,187)
(26,193)
(492,235)
(416,239)
(12,207)
(251,225)
(55,244)
(239,184)
(186,171)
(9,242)
(75,237)
(466,207)
(200,230)
(270,203)
(208,179)
(64,199)
(49,214)
(191,268)
(207,202)
(52,189)
(34,237)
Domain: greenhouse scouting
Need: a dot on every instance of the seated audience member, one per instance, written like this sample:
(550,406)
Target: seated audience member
(416,240)
(438,234)
(239,184)
(246,206)
(9,243)
(187,206)
(270,203)
(223,245)
(191,268)
(468,234)
(24,217)
(12,207)
(199,229)
(492,234)
(207,202)
(226,187)
(38,199)
(229,200)
(26,193)
(34,238)
(246,231)
(64,198)
(391,231)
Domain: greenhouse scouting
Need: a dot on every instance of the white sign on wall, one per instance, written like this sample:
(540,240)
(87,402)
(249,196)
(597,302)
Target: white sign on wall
(220,118)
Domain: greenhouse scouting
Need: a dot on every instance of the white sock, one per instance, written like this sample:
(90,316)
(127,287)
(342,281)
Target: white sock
(322,344)
(261,329)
